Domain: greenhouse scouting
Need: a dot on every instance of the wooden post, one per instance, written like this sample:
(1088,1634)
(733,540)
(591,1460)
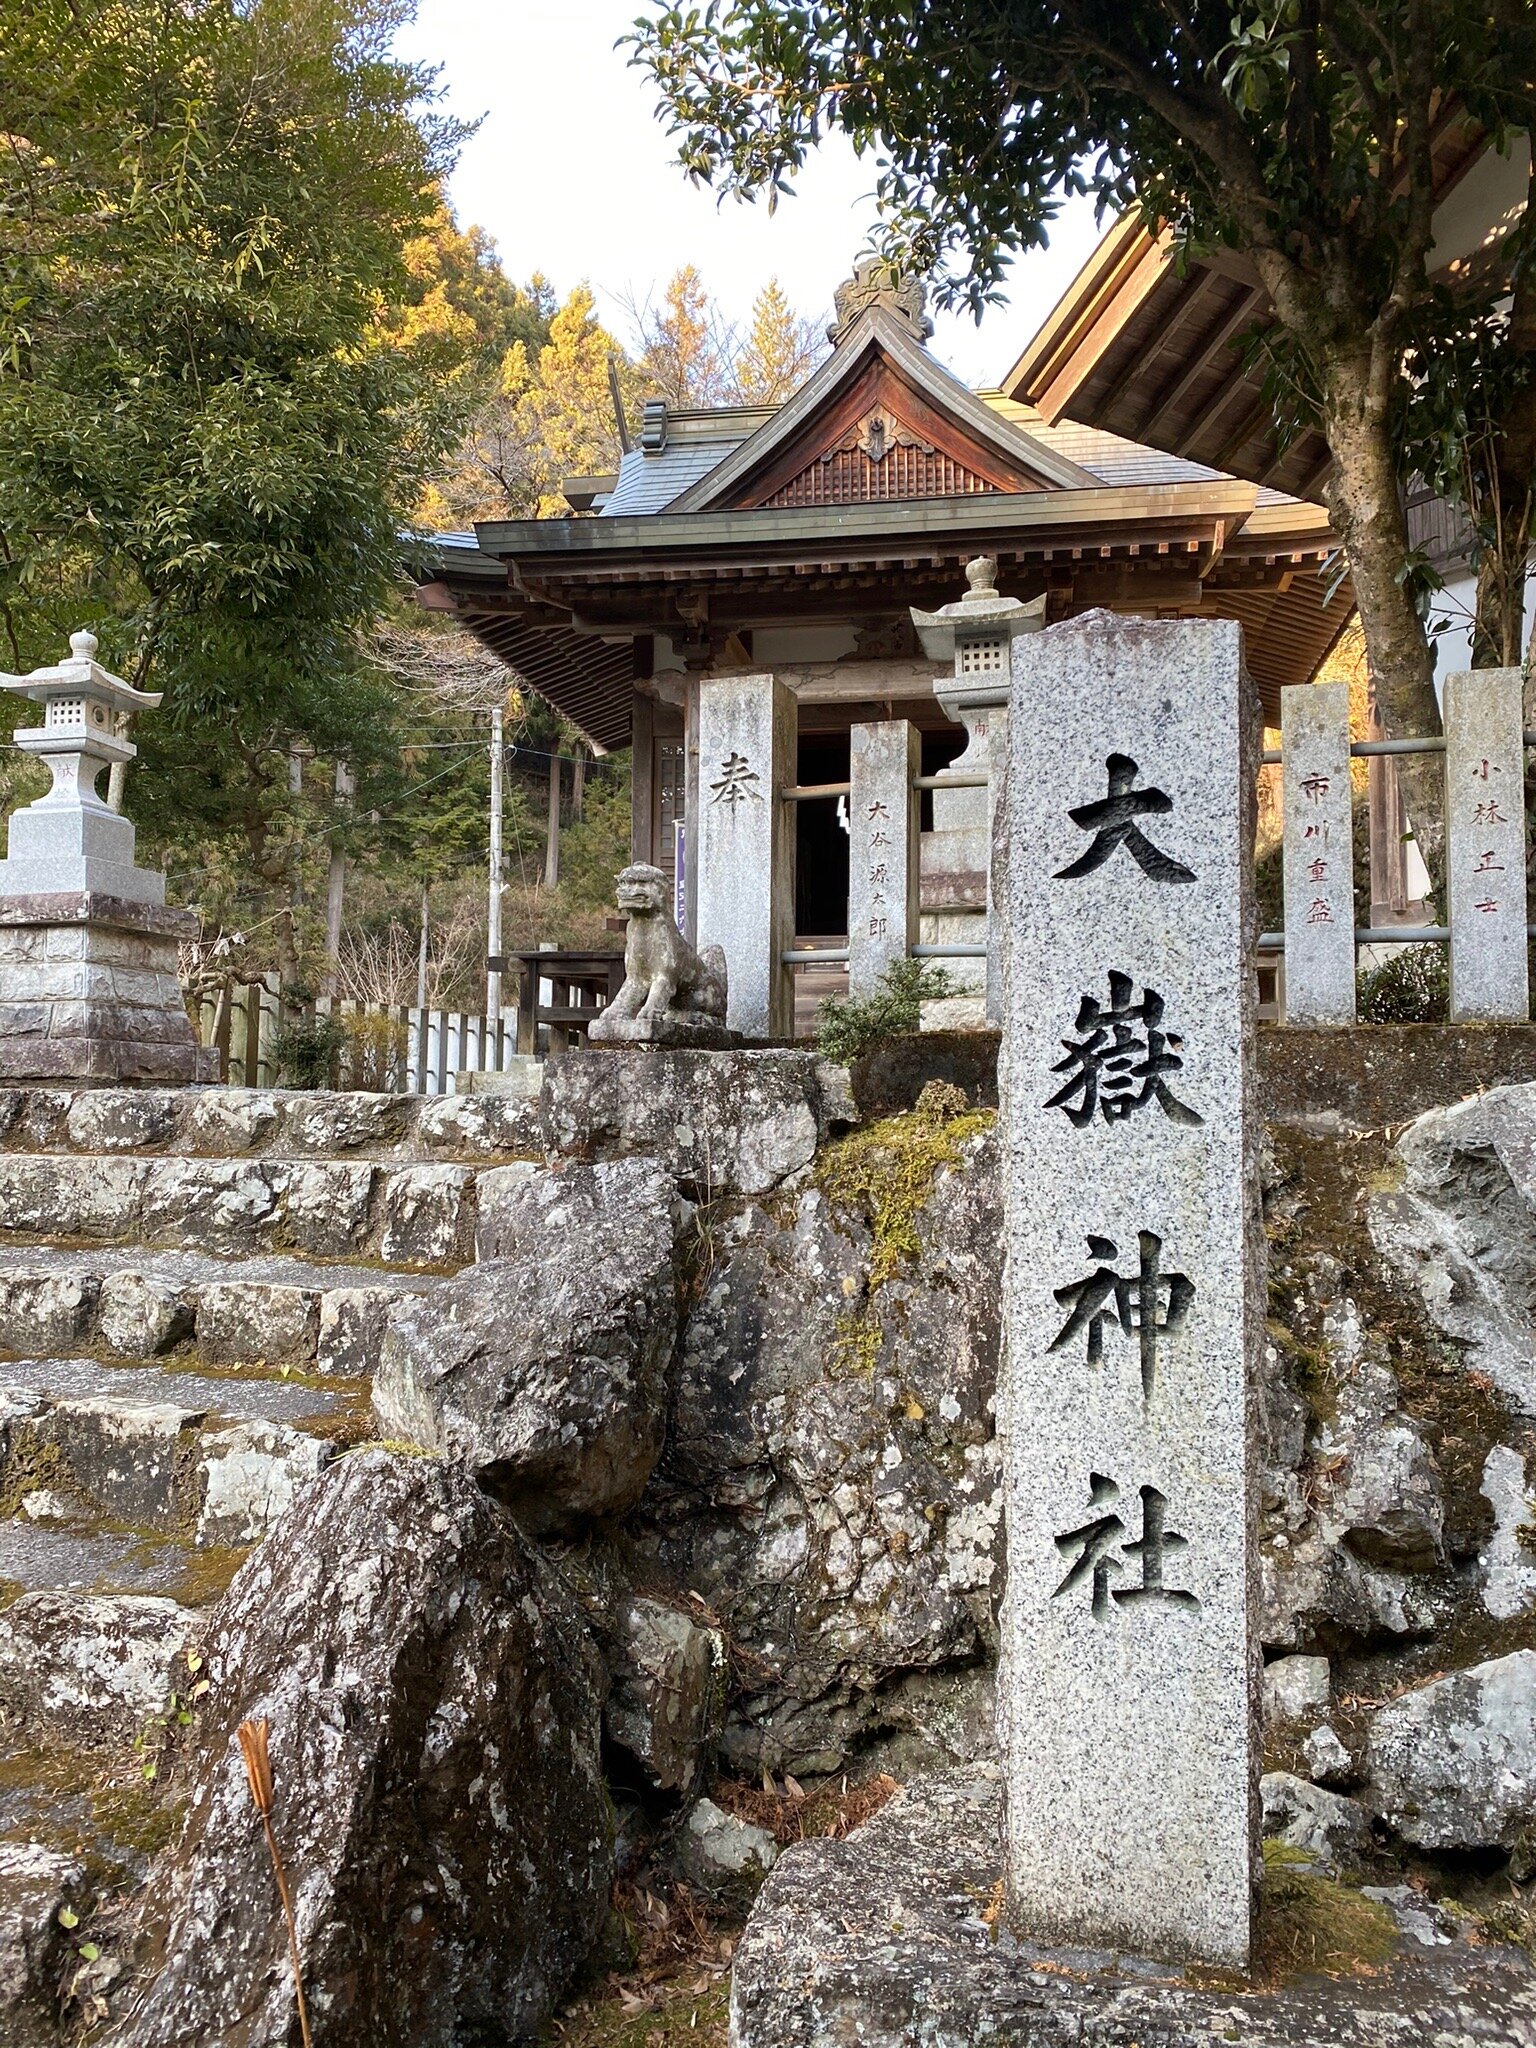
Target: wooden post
(552,843)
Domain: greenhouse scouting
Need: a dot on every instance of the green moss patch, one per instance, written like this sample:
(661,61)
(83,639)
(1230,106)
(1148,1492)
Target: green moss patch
(1310,1926)
(659,2016)
(887,1172)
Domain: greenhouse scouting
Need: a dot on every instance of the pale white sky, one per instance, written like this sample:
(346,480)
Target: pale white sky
(573,175)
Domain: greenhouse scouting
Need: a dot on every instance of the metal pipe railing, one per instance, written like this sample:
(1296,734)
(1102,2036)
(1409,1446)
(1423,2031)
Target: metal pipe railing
(815,956)
(1274,757)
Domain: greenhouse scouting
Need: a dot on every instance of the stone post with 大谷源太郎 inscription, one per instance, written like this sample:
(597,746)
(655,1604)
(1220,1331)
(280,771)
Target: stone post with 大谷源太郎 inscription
(1132,1306)
(883,845)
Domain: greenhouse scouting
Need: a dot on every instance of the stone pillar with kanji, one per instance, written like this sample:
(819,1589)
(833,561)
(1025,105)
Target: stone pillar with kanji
(745,844)
(1319,855)
(1485,846)
(884,761)
(1132,1303)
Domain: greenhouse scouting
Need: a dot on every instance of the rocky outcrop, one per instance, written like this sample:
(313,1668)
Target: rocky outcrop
(1335,1833)
(542,1369)
(723,1123)
(36,1886)
(1452,1764)
(666,1698)
(434,1733)
(86,1668)
(726,1857)
(1354,1516)
(893,1939)
(1462,1228)
(829,1486)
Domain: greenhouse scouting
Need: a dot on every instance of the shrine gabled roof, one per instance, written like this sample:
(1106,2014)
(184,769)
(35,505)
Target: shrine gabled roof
(878,392)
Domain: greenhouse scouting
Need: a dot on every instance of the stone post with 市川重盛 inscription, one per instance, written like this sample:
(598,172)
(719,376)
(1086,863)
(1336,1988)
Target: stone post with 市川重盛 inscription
(1132,1305)
(1319,855)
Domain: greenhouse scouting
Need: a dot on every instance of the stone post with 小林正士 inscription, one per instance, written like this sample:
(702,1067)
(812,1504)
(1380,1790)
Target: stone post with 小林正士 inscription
(1485,846)
(1132,1307)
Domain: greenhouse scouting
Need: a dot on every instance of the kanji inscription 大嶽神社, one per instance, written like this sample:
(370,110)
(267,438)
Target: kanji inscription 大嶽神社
(1126,1694)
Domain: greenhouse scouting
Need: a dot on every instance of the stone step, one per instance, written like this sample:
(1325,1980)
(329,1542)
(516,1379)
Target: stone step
(277,1123)
(214,1462)
(58,1301)
(95,1558)
(416,1218)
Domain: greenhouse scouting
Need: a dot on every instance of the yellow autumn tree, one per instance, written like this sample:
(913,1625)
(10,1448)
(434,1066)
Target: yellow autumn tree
(551,418)
(686,353)
(778,352)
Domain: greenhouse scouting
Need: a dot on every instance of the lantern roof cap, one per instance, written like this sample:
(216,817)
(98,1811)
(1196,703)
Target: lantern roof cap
(81,672)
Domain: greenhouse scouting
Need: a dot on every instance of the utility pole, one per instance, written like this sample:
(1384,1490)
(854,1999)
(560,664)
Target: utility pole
(493,897)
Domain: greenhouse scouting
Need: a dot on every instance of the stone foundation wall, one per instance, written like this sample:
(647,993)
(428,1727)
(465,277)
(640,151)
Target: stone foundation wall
(89,991)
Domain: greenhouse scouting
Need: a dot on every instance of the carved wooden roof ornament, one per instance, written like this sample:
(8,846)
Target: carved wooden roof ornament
(875,283)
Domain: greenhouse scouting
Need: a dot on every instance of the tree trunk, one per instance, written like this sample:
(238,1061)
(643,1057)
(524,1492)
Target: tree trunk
(1498,640)
(1366,507)
(1498,637)
(578,783)
(552,844)
(336,884)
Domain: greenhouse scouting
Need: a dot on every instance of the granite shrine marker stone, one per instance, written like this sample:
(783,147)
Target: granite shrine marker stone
(1132,1295)
(746,844)
(1485,845)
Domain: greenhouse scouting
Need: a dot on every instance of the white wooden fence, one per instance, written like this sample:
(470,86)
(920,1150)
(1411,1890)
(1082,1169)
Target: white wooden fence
(399,1050)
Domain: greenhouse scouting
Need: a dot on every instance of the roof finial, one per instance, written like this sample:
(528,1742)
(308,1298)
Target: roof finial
(83,645)
(875,283)
(981,575)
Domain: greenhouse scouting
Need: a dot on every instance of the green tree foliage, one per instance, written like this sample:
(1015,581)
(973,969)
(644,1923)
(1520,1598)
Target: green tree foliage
(1470,433)
(1301,132)
(212,425)
(465,296)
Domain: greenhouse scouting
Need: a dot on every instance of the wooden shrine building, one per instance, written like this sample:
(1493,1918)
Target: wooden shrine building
(798,539)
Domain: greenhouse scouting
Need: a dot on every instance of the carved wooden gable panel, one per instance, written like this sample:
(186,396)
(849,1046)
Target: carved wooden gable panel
(879,440)
(880,459)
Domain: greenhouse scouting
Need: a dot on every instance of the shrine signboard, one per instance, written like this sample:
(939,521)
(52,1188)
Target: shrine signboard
(1132,1292)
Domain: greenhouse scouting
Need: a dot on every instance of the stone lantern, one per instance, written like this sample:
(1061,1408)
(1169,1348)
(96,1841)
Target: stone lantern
(89,989)
(69,839)
(973,637)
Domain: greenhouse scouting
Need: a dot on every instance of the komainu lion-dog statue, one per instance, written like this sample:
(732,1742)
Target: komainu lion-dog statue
(672,995)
